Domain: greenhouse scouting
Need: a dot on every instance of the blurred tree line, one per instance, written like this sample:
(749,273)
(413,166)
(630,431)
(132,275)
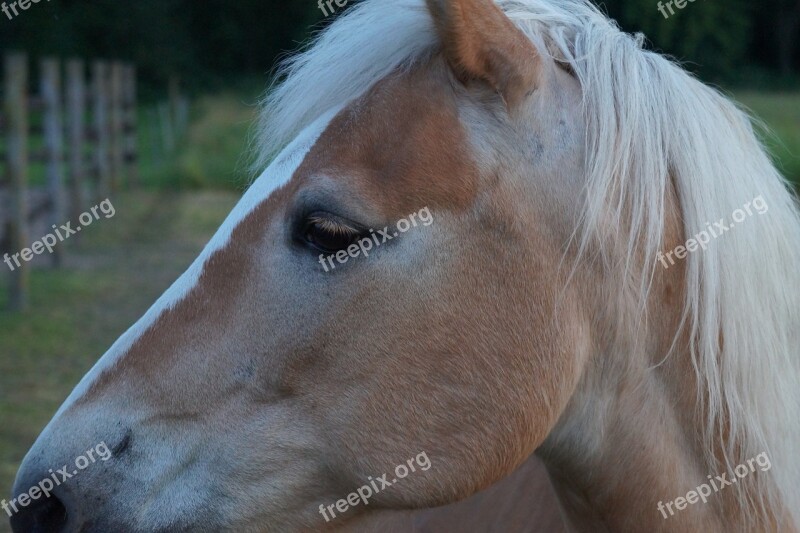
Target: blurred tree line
(215,43)
(208,43)
(737,42)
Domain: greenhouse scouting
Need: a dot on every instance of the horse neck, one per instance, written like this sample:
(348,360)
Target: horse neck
(631,436)
(628,440)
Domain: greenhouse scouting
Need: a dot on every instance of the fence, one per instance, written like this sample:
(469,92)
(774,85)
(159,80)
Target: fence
(168,121)
(87,127)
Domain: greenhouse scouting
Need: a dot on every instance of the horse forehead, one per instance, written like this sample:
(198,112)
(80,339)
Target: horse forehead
(176,304)
(401,145)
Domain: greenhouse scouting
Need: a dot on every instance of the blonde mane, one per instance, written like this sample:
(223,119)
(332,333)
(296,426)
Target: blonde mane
(649,125)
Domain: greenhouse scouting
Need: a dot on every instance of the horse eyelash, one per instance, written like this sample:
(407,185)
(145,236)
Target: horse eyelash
(331,226)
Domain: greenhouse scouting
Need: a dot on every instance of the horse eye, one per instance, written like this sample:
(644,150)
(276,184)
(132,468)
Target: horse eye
(329,235)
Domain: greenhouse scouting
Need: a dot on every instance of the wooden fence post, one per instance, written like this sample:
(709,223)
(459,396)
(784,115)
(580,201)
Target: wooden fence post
(50,89)
(130,126)
(156,143)
(16,115)
(101,130)
(182,118)
(117,121)
(167,127)
(76,111)
(174,94)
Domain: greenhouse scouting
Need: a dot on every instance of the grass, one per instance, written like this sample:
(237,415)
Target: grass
(212,154)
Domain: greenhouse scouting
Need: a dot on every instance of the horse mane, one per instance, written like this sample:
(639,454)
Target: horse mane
(649,126)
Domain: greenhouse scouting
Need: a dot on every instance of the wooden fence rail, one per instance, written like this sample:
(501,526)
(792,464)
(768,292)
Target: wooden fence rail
(99,152)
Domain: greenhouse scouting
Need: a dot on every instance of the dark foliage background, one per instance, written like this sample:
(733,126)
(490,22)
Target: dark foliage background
(212,42)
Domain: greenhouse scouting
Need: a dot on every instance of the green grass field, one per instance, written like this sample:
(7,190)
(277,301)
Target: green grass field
(124,263)
(212,154)
(781,113)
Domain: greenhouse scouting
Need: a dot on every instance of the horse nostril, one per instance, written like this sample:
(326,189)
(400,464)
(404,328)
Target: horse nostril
(41,516)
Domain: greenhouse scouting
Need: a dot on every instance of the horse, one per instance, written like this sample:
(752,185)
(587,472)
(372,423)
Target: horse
(533,322)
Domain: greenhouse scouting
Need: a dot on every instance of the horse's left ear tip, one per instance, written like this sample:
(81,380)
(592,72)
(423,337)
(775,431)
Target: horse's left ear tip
(481,42)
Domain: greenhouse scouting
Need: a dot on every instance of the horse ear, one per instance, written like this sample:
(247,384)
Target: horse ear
(481,42)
